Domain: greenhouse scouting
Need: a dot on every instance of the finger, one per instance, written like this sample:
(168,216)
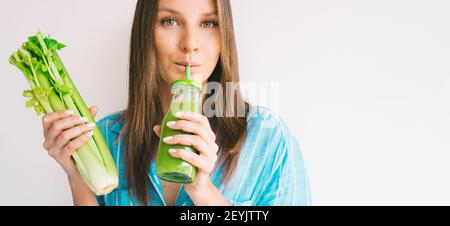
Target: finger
(73,145)
(190,157)
(157,130)
(63,124)
(199,118)
(190,140)
(49,118)
(66,136)
(93,110)
(190,127)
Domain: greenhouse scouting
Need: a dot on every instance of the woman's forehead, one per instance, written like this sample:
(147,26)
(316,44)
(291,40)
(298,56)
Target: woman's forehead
(189,7)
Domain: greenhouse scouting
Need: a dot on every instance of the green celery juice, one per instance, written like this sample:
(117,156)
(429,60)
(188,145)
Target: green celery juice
(185,98)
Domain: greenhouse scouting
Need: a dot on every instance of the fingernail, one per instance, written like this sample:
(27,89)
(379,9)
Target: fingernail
(171,123)
(68,112)
(172,151)
(167,138)
(90,125)
(179,114)
(90,133)
(83,119)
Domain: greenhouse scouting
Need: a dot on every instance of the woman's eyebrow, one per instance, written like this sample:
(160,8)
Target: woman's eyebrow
(168,10)
(213,13)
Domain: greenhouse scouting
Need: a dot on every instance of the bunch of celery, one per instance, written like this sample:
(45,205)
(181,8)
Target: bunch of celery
(53,90)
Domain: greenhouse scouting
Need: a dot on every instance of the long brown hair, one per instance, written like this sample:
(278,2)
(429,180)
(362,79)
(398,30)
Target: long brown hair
(144,107)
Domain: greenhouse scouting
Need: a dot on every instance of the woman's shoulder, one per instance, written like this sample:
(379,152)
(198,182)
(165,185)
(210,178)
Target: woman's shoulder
(265,121)
(269,135)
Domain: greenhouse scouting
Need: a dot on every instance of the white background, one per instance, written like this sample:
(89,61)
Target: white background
(364,86)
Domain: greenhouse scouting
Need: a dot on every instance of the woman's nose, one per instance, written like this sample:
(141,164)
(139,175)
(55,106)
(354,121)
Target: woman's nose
(189,41)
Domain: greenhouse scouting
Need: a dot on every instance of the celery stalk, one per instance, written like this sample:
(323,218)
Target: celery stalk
(53,90)
(100,141)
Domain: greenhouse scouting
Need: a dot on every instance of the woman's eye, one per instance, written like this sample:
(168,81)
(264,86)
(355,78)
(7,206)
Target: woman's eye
(169,22)
(209,24)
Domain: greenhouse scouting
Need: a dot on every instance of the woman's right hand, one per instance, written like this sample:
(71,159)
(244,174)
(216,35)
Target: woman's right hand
(64,133)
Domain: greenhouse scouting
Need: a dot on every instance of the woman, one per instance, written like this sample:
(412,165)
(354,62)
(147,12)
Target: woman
(248,159)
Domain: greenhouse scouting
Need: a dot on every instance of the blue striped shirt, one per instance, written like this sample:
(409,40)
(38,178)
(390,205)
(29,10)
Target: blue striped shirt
(270,169)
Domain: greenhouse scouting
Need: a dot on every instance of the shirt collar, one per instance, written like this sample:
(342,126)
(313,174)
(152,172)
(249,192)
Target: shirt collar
(117,126)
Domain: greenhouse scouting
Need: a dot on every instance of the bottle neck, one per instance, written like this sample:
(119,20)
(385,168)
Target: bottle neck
(185,98)
(166,96)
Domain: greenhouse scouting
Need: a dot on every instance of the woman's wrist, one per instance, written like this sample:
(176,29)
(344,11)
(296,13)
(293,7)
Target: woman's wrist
(81,194)
(72,174)
(74,178)
(206,194)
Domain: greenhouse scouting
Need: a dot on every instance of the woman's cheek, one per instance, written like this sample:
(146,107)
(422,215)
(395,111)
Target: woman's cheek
(166,46)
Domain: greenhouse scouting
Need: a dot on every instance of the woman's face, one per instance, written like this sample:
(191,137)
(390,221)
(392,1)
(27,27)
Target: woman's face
(187,33)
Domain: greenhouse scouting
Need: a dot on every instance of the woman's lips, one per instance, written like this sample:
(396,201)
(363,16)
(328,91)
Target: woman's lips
(182,66)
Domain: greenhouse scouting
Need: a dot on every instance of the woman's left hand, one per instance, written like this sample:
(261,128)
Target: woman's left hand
(202,139)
